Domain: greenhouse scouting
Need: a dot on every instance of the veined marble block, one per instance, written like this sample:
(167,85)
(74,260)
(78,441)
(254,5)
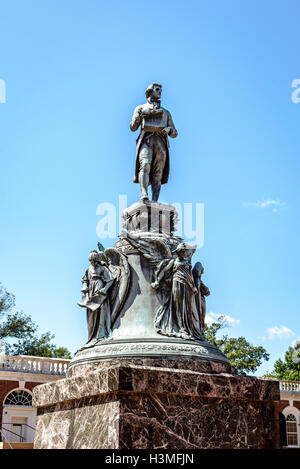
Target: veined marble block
(133,405)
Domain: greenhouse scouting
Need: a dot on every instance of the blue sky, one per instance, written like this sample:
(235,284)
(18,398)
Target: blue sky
(74,71)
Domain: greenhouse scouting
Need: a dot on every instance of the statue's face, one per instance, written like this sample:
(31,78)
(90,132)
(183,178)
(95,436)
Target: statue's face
(156,92)
(181,254)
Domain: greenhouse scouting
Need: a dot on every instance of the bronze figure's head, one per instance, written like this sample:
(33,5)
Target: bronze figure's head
(154,91)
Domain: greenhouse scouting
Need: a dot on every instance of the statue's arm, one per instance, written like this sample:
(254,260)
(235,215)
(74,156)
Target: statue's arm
(136,119)
(162,269)
(204,289)
(173,132)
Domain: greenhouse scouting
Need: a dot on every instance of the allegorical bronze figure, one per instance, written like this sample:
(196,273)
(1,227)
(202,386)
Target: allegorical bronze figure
(202,292)
(104,290)
(96,282)
(152,148)
(178,316)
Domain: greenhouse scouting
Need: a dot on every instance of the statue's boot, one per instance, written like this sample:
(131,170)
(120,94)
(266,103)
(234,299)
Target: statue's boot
(144,182)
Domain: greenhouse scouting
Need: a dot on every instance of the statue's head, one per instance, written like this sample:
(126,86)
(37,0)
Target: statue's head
(198,269)
(185,250)
(97,257)
(94,257)
(154,91)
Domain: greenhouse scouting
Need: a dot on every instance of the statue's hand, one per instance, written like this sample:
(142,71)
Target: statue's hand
(166,130)
(146,112)
(151,112)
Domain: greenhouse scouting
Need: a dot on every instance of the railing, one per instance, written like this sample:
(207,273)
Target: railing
(289,386)
(28,364)
(4,440)
(4,432)
(21,436)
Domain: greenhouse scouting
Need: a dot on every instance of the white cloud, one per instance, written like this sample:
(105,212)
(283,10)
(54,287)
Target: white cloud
(281,332)
(212,317)
(268,203)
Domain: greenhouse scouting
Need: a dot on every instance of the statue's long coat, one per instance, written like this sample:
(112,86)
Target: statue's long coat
(166,170)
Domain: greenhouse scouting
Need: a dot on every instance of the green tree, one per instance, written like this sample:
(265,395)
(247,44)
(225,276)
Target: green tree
(244,357)
(17,325)
(289,368)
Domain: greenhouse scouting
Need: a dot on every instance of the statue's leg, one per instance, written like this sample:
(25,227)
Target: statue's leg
(158,164)
(145,158)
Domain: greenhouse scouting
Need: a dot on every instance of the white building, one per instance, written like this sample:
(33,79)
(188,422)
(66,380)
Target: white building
(18,376)
(289,414)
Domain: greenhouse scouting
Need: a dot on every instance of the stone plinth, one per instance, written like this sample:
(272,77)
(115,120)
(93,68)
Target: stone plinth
(150,217)
(139,406)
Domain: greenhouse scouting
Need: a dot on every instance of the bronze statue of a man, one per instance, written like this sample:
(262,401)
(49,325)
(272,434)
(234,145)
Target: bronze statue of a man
(152,148)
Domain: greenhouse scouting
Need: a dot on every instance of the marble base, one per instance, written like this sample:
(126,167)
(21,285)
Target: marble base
(126,405)
(203,366)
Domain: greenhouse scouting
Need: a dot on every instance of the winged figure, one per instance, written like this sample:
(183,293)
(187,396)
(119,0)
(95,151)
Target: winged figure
(104,289)
(157,251)
(120,271)
(178,315)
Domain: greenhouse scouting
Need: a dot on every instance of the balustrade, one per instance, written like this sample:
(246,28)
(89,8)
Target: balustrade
(28,364)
